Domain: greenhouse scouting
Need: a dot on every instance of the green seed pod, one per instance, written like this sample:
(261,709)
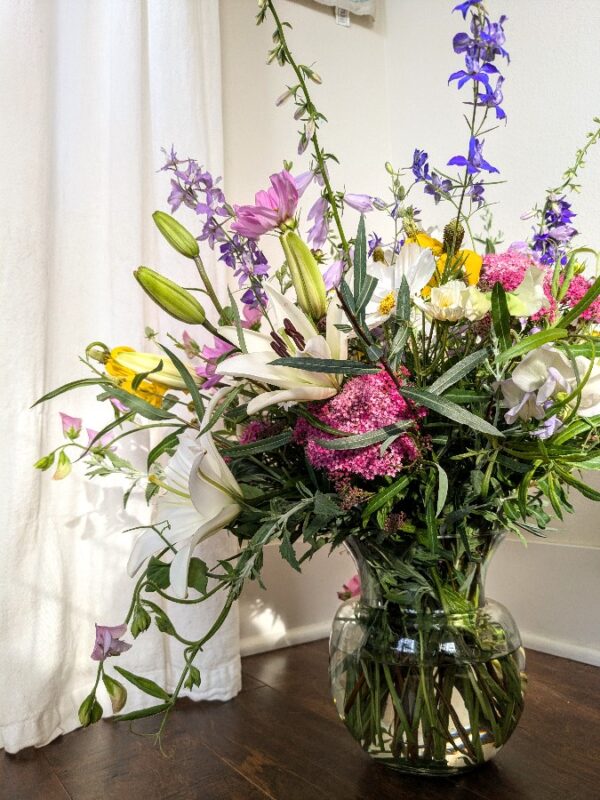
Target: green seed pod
(176,235)
(173,299)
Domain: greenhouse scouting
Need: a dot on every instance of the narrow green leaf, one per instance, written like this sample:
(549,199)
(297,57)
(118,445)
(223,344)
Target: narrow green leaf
(531,342)
(501,316)
(403,301)
(135,403)
(141,376)
(262,446)
(188,380)
(222,408)
(116,423)
(383,496)
(360,259)
(145,684)
(583,488)
(360,440)
(67,387)
(143,712)
(166,445)
(366,293)
(328,365)
(586,301)
(446,408)
(238,323)
(458,371)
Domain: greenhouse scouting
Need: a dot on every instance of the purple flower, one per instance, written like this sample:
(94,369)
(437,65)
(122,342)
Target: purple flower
(71,426)
(252,315)
(464,7)
(272,207)
(317,235)
(108,641)
(359,202)
(374,243)
(492,38)
(550,242)
(212,356)
(303,181)
(475,71)
(438,187)
(548,428)
(475,161)
(333,275)
(420,167)
(558,212)
(476,192)
(119,405)
(245,258)
(104,441)
(493,97)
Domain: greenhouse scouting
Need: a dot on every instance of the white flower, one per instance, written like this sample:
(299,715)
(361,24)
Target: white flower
(447,302)
(476,303)
(414,263)
(294,384)
(200,497)
(528,298)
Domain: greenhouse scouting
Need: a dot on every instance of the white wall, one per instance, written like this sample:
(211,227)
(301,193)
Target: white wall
(384,92)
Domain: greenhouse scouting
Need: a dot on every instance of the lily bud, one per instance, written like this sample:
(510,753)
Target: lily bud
(171,297)
(176,235)
(306,275)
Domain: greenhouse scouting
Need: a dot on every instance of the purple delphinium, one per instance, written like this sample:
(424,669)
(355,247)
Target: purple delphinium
(492,98)
(438,187)
(464,7)
(475,161)
(420,167)
(374,242)
(476,192)
(108,641)
(475,71)
(551,241)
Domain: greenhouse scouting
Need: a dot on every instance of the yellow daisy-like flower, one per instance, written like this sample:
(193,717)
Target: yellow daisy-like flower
(148,390)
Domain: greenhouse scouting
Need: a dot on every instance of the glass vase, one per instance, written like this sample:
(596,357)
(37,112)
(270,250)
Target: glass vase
(427,675)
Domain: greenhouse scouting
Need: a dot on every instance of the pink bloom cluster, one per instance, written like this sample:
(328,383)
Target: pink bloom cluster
(577,288)
(365,403)
(257,429)
(508,269)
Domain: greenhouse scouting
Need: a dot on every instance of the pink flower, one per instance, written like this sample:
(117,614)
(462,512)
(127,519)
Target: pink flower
(256,430)
(508,269)
(333,275)
(317,235)
(108,641)
(350,589)
(272,207)
(577,288)
(71,426)
(119,405)
(251,316)
(190,346)
(211,356)
(104,441)
(366,403)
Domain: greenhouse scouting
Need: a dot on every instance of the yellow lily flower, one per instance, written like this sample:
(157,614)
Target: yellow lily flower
(125,363)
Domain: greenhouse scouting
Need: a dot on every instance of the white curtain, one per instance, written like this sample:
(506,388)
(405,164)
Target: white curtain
(90,90)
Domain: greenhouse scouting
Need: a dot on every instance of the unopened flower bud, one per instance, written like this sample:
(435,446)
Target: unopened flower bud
(176,235)
(306,275)
(90,711)
(116,691)
(454,233)
(171,297)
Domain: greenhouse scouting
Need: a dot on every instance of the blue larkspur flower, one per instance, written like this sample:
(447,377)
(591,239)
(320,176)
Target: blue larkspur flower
(475,71)
(438,187)
(464,7)
(420,167)
(492,98)
(474,162)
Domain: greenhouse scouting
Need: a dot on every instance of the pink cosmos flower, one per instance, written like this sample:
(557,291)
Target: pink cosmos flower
(272,207)
(211,356)
(71,426)
(108,641)
(366,403)
(350,589)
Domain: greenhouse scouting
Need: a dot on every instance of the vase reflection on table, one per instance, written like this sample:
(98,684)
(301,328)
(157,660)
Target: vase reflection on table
(434,682)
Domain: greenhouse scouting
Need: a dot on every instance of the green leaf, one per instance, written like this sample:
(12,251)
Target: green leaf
(158,573)
(90,711)
(588,298)
(446,408)
(194,678)
(135,403)
(403,301)
(360,259)
(501,316)
(189,381)
(466,396)
(366,293)
(166,445)
(531,342)
(458,371)
(327,365)
(360,440)
(442,489)
(238,323)
(588,463)
(67,387)
(143,712)
(116,423)
(222,408)
(383,497)
(145,684)
(261,446)
(198,575)
(141,376)
(583,488)
(287,551)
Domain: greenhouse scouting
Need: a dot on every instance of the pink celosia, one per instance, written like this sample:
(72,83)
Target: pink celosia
(211,356)
(508,269)
(577,288)
(365,403)
(272,207)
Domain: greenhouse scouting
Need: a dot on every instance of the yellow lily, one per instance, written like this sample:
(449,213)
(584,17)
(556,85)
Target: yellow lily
(125,363)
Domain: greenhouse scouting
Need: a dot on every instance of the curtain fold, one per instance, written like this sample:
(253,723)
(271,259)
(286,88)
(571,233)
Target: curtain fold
(89,91)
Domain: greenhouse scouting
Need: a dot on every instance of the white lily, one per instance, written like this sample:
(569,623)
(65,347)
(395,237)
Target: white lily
(528,298)
(293,384)
(200,498)
(414,263)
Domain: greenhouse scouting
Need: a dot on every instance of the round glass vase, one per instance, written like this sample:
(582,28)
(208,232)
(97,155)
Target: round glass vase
(434,689)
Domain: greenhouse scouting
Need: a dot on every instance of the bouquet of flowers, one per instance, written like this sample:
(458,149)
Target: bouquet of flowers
(407,393)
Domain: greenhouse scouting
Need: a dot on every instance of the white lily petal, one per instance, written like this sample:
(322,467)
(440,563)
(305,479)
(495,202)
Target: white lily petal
(286,395)
(336,339)
(145,545)
(257,367)
(285,309)
(255,341)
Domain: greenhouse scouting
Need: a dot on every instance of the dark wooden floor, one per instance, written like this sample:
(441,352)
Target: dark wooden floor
(281,739)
